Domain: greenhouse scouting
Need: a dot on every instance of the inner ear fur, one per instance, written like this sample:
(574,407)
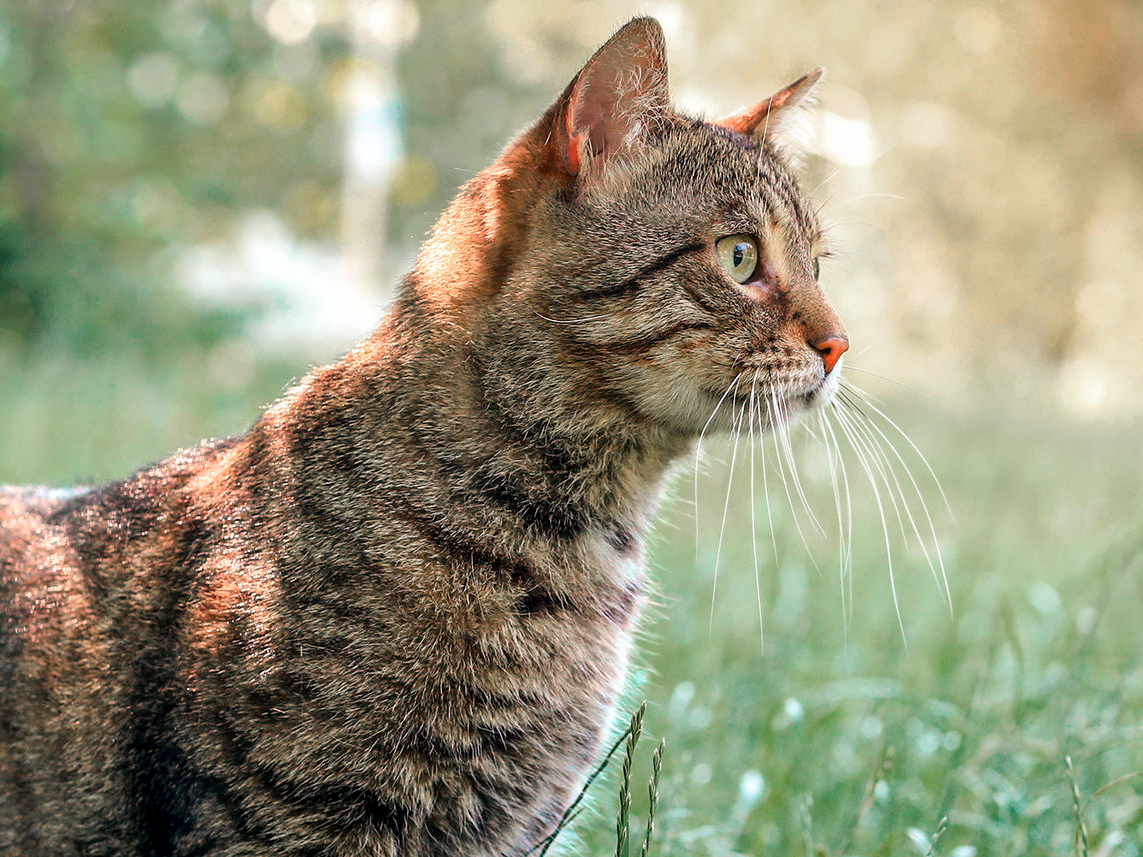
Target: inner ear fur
(616,100)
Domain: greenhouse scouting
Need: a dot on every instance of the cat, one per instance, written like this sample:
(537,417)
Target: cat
(394,617)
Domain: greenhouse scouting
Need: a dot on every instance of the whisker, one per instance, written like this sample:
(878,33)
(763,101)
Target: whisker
(849,507)
(781,420)
(766,487)
(725,511)
(849,367)
(788,450)
(733,385)
(942,579)
(888,477)
(840,523)
(753,530)
(856,446)
(825,181)
(570,320)
(865,398)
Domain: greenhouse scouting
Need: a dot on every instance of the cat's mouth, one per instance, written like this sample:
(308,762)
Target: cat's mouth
(822,391)
(797,390)
(786,400)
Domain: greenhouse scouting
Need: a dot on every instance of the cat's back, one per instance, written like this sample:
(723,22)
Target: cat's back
(29,518)
(80,566)
(40,569)
(50,536)
(85,576)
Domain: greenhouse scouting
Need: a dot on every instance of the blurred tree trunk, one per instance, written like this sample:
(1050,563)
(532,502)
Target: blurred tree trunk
(31,175)
(373,139)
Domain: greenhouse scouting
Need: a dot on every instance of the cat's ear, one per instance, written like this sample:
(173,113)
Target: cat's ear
(616,100)
(782,118)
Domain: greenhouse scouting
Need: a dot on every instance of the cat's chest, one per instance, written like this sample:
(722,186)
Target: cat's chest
(580,603)
(619,556)
(611,579)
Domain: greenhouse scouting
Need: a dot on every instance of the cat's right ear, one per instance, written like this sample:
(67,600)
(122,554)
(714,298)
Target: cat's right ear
(615,102)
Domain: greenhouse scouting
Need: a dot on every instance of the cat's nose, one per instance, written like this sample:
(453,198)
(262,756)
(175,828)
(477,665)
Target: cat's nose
(831,350)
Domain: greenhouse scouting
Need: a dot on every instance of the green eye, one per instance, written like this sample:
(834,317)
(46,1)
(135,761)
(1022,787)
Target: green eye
(738,254)
(817,268)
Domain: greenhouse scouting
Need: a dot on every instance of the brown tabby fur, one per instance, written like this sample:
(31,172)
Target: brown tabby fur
(394,617)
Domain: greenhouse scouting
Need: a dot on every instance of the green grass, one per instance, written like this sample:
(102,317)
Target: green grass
(834,739)
(837,740)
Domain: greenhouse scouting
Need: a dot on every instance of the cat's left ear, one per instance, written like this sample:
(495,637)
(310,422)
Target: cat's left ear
(782,118)
(616,101)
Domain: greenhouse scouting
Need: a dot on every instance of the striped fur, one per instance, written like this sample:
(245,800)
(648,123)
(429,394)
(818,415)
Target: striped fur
(394,617)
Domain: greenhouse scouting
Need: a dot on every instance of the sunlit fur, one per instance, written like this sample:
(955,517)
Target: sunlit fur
(395,616)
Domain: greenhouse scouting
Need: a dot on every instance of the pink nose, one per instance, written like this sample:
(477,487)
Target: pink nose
(831,350)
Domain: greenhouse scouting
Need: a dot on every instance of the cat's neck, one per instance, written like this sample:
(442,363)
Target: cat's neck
(478,400)
(453,405)
(445,400)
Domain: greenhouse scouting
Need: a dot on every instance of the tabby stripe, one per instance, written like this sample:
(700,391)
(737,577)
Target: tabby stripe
(554,519)
(526,496)
(461,550)
(558,461)
(632,283)
(455,546)
(340,807)
(701,299)
(649,339)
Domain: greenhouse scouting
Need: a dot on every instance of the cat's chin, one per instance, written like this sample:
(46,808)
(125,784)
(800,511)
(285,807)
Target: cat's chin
(821,394)
(795,398)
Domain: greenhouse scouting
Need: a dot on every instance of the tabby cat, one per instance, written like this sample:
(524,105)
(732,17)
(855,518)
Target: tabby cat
(394,617)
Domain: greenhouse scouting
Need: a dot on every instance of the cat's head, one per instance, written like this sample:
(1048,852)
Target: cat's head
(638,259)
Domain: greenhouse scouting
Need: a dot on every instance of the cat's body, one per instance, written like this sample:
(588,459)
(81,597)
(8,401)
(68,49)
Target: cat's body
(394,617)
(325,632)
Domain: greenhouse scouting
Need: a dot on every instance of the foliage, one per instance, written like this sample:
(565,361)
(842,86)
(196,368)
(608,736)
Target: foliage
(66,299)
(138,133)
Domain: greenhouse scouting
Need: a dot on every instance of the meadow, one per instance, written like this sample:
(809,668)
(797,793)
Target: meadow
(837,732)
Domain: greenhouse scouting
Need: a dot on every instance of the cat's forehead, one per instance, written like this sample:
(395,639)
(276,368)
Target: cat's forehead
(712,172)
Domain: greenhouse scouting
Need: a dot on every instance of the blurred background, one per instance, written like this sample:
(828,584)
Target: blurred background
(201,198)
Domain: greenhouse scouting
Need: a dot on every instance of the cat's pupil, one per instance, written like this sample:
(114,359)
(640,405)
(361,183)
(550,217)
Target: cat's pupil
(739,254)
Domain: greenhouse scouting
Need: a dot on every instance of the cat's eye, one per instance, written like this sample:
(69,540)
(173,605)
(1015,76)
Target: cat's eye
(738,254)
(817,268)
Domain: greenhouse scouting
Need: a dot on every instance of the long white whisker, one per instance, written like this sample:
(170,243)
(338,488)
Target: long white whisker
(840,523)
(753,526)
(942,580)
(880,464)
(849,367)
(725,511)
(780,423)
(570,320)
(825,181)
(909,440)
(788,451)
(841,205)
(733,385)
(849,508)
(856,446)
(766,486)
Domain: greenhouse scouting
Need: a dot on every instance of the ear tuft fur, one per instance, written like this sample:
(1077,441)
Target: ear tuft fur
(783,119)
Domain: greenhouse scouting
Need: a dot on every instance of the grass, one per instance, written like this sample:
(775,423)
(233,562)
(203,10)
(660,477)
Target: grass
(837,740)
(1011,726)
